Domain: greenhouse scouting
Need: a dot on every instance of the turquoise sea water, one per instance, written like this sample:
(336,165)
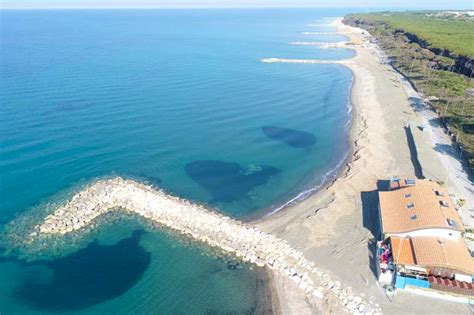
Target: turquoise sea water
(178,98)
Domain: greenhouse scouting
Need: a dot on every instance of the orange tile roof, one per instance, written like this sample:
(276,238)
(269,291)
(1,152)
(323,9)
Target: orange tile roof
(417,207)
(431,251)
(402,251)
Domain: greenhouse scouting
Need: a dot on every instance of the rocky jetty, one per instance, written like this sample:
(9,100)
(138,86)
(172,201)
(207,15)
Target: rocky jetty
(343,44)
(318,33)
(317,61)
(217,230)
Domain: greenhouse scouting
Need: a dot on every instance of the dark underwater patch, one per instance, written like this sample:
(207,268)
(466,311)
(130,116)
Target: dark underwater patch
(291,137)
(91,275)
(228,181)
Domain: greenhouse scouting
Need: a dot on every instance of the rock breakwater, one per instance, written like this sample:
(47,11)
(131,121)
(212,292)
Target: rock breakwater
(217,230)
(343,44)
(318,33)
(314,61)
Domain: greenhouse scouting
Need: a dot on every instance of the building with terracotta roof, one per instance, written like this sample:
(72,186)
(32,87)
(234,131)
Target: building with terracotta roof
(417,208)
(422,245)
(432,255)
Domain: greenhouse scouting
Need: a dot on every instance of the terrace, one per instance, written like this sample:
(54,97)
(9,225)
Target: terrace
(422,246)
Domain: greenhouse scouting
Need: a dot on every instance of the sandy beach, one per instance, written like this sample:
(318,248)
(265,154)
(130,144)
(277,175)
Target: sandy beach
(336,227)
(115,116)
(314,254)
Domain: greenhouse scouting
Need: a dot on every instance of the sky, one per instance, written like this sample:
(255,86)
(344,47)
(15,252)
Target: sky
(414,4)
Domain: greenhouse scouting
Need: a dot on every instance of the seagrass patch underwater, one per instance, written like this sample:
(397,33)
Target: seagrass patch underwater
(174,97)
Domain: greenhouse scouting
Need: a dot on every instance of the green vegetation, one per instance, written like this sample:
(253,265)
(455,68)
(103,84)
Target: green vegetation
(429,48)
(456,36)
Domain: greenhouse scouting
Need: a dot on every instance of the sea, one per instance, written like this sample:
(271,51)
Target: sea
(178,99)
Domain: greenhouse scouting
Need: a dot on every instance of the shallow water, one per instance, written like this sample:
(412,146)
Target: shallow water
(80,275)
(178,98)
(226,181)
(293,138)
(129,271)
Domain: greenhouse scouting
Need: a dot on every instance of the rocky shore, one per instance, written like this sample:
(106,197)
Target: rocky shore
(217,230)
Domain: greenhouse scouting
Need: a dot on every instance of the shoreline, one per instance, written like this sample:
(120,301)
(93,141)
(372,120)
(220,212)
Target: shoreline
(339,222)
(246,242)
(344,165)
(335,173)
(330,203)
(332,176)
(281,294)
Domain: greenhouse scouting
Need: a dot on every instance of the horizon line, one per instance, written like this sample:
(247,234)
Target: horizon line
(226,7)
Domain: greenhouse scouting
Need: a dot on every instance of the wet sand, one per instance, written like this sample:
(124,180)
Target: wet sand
(336,227)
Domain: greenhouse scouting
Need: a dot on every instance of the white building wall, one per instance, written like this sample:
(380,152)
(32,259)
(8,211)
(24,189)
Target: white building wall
(461,277)
(441,233)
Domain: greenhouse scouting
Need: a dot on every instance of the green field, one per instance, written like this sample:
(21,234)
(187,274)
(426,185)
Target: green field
(453,35)
(432,61)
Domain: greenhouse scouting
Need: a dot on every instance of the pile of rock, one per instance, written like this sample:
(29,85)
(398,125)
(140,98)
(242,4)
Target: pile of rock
(244,241)
(343,44)
(312,61)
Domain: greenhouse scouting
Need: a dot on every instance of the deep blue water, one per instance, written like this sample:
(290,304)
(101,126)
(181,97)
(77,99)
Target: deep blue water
(178,98)
(79,275)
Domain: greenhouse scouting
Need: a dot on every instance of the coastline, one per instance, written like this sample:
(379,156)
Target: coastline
(332,174)
(326,225)
(338,223)
(287,303)
(344,165)
(244,241)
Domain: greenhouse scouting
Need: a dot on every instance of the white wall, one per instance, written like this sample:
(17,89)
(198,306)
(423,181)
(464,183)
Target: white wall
(441,233)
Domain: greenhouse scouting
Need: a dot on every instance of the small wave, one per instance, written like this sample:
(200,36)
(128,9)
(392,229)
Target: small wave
(349,106)
(349,103)
(330,174)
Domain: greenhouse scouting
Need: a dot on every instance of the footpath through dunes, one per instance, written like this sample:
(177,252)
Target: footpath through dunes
(217,230)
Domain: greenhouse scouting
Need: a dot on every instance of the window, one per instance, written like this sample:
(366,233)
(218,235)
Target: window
(444,203)
(452,223)
(413,217)
(410,182)
(410,205)
(407,195)
(439,193)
